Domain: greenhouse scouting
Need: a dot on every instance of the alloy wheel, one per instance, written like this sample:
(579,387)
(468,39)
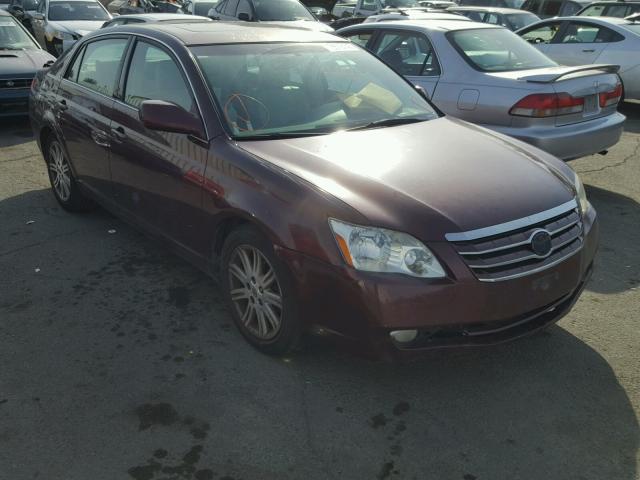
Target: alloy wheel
(60,172)
(255,292)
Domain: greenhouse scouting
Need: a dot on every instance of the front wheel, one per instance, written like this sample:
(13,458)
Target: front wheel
(259,292)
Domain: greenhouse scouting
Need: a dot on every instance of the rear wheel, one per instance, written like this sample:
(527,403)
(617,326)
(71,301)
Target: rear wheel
(64,186)
(259,292)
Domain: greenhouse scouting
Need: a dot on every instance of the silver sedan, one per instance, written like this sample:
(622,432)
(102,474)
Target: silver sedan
(584,40)
(489,76)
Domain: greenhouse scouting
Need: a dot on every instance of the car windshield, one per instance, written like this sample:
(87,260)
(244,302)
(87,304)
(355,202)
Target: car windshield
(59,11)
(277,90)
(400,3)
(202,8)
(13,37)
(498,50)
(281,11)
(521,20)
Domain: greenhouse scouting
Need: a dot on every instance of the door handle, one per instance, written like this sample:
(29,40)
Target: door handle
(589,50)
(100,138)
(119,133)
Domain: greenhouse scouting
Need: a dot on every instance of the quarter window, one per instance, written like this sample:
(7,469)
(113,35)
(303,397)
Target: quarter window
(101,64)
(154,75)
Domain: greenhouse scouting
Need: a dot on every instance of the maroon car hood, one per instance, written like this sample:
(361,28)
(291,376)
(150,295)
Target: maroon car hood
(428,178)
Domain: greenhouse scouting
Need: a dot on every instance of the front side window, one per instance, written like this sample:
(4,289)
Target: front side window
(245,7)
(101,64)
(230,8)
(497,50)
(61,11)
(408,54)
(520,20)
(619,11)
(281,10)
(154,75)
(593,11)
(279,90)
(542,34)
(13,36)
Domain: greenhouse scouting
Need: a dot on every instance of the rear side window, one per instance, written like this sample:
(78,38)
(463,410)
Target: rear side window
(408,54)
(154,75)
(101,64)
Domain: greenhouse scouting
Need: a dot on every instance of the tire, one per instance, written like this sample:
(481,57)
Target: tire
(261,300)
(63,184)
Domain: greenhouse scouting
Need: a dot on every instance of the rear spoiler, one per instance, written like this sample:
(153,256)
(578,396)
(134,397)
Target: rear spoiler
(551,77)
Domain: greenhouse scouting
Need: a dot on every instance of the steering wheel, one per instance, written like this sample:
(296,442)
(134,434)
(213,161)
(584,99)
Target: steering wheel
(244,107)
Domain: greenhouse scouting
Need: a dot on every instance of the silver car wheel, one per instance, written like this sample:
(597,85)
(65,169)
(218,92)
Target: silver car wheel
(255,292)
(59,172)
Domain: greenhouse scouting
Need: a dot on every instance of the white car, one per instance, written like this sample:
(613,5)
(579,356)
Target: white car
(58,24)
(588,40)
(415,15)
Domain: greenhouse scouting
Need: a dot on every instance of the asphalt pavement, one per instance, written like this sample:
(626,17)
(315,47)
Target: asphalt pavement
(118,360)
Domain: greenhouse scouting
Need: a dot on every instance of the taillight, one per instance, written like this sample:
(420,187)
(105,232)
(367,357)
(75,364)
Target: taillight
(611,98)
(541,105)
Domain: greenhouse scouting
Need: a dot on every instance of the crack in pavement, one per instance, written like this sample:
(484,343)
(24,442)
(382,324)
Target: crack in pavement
(20,158)
(615,165)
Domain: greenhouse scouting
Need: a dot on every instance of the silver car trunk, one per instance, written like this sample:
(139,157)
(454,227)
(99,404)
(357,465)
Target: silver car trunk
(585,82)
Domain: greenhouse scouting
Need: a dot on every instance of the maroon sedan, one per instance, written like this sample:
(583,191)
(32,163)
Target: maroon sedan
(323,190)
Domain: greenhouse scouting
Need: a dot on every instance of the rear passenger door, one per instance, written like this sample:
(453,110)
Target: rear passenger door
(85,106)
(411,55)
(157,176)
(580,43)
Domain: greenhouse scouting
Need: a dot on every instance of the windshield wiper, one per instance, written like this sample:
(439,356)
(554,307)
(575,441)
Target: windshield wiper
(387,122)
(281,135)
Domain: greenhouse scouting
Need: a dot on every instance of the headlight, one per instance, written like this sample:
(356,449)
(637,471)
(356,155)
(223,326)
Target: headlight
(63,35)
(581,195)
(379,250)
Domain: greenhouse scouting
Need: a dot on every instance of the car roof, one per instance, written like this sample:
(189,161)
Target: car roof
(431,25)
(586,18)
(158,16)
(487,9)
(204,33)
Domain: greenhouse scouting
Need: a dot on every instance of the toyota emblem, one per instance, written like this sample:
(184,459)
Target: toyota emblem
(541,243)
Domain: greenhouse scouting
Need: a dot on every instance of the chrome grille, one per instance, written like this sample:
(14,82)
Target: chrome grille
(15,83)
(505,251)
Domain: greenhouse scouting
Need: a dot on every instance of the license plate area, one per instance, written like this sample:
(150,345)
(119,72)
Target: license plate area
(591,106)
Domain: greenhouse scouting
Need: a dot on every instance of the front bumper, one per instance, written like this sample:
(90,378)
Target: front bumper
(571,141)
(456,311)
(14,102)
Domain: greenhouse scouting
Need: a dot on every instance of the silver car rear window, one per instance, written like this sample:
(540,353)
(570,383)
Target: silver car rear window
(497,50)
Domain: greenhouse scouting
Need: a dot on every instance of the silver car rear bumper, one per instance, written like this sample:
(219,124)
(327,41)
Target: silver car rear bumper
(571,141)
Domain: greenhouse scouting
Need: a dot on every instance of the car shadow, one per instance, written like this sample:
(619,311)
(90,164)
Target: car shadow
(632,111)
(617,266)
(15,131)
(103,322)
(548,406)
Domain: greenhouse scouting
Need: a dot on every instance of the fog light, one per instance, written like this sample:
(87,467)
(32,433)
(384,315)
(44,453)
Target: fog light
(404,336)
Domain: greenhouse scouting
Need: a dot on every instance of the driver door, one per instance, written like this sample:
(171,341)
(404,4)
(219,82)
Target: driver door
(542,35)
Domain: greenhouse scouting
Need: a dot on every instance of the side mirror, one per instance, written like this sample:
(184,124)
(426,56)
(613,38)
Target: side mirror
(244,17)
(168,117)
